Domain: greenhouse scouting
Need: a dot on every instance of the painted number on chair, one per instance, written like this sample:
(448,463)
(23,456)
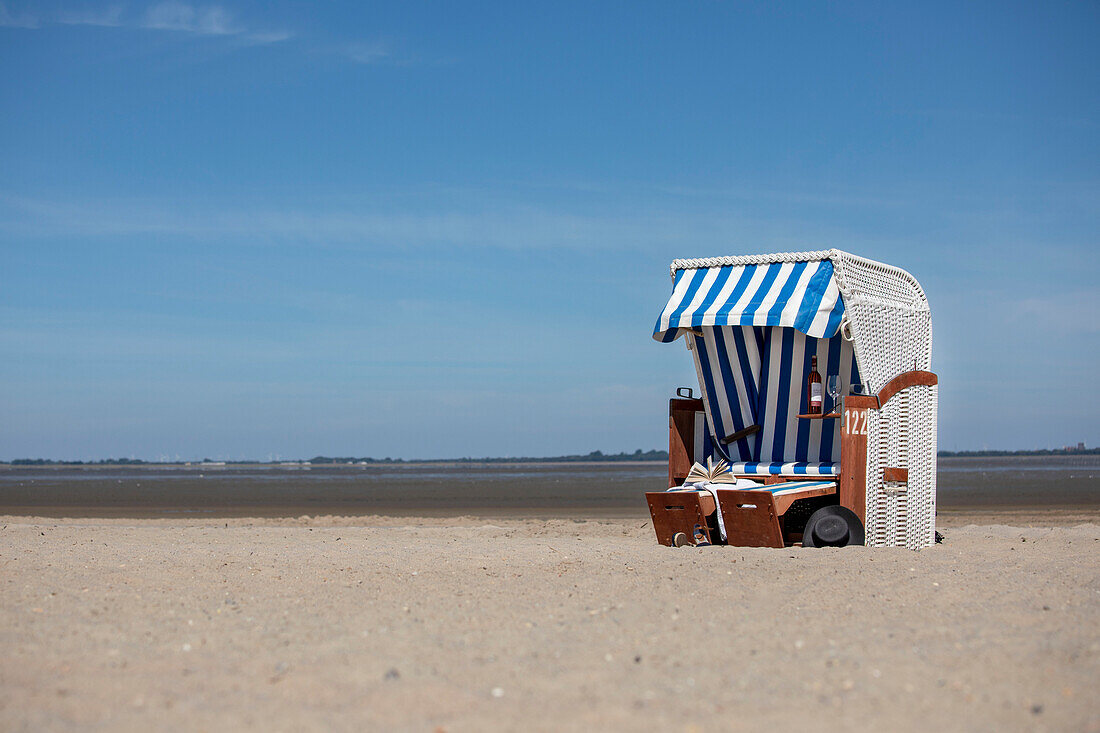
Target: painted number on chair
(855,422)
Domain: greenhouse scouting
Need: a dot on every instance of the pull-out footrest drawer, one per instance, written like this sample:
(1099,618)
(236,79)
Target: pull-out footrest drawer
(691,512)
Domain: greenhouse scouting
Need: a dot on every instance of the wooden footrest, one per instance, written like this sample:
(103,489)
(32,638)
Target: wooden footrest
(750,518)
(681,511)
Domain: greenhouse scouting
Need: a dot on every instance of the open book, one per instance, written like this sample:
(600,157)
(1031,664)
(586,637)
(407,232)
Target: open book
(716,473)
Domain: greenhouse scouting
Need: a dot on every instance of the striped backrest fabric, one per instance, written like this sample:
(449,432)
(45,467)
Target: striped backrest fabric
(757,376)
(727,361)
(784,368)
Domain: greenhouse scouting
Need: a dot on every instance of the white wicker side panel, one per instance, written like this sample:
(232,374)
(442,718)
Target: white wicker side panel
(891,328)
(924,403)
(902,435)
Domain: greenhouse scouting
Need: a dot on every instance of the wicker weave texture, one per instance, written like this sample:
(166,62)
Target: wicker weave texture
(890,324)
(902,434)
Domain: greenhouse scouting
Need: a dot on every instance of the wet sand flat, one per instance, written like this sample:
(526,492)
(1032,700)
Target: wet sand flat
(544,490)
(461,623)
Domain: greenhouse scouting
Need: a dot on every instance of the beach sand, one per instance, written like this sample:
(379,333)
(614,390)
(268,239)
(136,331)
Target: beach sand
(468,624)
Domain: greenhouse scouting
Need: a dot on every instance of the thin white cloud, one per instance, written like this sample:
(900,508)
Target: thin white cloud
(487,222)
(385,52)
(210,20)
(186,18)
(1067,312)
(174,16)
(512,216)
(170,15)
(262,37)
(367,52)
(8,19)
(107,18)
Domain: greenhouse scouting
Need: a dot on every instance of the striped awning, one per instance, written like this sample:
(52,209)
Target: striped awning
(800,295)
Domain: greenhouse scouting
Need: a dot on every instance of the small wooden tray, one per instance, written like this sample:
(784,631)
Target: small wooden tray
(831,415)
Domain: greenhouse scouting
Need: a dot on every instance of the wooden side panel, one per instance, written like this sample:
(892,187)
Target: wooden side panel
(853,455)
(678,511)
(750,518)
(681,438)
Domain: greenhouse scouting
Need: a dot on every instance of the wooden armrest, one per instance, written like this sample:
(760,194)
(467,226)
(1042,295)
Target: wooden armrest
(895,385)
(740,434)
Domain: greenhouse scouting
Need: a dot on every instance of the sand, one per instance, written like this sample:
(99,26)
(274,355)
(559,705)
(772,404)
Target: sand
(470,624)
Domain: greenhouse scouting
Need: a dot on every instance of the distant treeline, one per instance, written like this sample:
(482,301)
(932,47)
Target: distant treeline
(1040,452)
(100,462)
(638,455)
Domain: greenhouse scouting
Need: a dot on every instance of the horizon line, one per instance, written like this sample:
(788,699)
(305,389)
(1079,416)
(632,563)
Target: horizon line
(654,455)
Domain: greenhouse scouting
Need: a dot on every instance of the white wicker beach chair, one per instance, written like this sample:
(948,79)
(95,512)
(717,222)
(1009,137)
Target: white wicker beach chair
(752,324)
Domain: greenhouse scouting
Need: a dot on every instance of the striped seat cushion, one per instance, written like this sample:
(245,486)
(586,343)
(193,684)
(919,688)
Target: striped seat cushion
(783,489)
(800,468)
(794,487)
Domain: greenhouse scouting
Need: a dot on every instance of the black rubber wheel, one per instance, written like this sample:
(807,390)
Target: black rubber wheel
(833,526)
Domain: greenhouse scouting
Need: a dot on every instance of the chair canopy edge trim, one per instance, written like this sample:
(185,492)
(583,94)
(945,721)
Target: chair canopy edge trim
(737,260)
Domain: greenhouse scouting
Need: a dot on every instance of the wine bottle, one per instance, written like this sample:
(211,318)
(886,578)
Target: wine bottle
(813,389)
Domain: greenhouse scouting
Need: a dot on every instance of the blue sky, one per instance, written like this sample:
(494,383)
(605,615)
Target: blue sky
(441,229)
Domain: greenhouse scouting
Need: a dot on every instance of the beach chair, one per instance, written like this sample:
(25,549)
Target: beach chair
(862,473)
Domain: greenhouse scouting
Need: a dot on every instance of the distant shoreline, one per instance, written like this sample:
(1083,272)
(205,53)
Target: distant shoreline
(1014,453)
(594,457)
(306,465)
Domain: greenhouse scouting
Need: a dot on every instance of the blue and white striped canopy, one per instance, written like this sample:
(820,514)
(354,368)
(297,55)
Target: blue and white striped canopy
(800,295)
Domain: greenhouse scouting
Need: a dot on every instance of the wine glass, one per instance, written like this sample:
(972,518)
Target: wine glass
(832,385)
